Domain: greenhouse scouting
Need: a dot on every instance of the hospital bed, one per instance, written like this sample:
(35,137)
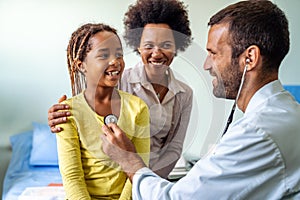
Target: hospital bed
(33,171)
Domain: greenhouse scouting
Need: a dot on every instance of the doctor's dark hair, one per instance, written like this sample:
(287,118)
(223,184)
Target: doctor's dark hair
(171,12)
(79,46)
(260,23)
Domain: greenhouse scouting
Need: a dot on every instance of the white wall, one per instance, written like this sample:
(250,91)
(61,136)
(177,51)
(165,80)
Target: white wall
(33,73)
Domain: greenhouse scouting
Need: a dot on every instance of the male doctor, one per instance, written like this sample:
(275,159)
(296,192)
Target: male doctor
(259,155)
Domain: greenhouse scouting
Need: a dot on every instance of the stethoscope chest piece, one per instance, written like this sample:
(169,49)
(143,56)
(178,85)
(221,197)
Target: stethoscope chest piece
(110,119)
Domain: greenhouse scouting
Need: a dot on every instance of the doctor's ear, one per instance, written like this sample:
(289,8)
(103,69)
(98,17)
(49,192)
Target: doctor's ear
(252,55)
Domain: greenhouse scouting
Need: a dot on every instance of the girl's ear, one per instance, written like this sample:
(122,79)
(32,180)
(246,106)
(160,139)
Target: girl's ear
(81,66)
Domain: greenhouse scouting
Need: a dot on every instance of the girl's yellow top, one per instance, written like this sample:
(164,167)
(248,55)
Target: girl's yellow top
(86,171)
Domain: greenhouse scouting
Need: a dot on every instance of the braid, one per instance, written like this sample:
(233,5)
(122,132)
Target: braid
(77,50)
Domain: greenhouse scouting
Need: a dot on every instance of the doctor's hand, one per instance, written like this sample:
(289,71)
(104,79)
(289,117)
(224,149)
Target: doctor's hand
(120,149)
(58,114)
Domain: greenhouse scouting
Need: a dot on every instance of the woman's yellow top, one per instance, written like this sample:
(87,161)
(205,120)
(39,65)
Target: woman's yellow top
(86,171)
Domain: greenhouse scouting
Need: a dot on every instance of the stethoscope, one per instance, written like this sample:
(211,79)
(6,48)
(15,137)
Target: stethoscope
(111,118)
(230,118)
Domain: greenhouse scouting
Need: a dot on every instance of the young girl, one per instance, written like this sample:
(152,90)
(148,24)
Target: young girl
(95,62)
(161,30)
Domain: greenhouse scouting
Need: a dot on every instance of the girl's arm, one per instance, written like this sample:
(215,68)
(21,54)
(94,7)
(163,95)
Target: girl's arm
(70,164)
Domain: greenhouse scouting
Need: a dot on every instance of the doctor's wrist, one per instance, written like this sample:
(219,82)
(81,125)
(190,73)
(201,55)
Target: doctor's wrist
(132,164)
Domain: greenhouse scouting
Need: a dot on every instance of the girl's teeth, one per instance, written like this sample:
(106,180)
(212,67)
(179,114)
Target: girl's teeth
(114,73)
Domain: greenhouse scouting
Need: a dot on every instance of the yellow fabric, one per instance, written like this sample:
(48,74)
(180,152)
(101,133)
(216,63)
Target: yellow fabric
(86,171)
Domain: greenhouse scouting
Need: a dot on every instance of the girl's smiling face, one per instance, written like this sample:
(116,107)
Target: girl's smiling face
(104,64)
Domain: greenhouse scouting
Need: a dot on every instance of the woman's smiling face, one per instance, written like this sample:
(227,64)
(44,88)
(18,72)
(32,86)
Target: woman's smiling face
(157,47)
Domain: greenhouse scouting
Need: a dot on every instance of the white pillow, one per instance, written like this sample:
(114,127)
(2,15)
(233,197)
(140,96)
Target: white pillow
(44,148)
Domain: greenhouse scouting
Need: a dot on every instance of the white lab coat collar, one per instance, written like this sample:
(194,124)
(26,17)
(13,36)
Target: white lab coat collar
(263,93)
